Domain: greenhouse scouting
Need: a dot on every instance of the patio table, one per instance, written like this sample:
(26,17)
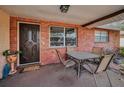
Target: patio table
(81,57)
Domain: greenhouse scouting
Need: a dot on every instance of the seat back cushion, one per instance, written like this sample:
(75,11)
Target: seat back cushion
(97,50)
(104,63)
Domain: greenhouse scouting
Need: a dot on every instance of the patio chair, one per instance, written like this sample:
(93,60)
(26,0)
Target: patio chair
(105,61)
(98,51)
(69,49)
(67,63)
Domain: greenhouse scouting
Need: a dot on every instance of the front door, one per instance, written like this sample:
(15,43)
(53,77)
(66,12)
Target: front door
(29,43)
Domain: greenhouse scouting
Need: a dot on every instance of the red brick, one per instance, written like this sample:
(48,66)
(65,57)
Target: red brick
(48,55)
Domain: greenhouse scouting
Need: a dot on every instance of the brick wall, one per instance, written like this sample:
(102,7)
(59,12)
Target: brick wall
(48,55)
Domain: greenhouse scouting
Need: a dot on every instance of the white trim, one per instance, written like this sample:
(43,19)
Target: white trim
(64,37)
(49,35)
(18,64)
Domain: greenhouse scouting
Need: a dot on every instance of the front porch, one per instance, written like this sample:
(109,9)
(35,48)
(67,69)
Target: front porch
(57,32)
(56,75)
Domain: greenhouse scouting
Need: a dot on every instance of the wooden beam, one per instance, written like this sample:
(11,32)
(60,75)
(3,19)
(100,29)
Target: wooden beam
(104,17)
(97,28)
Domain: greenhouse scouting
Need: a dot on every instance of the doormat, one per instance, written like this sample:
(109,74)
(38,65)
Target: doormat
(29,68)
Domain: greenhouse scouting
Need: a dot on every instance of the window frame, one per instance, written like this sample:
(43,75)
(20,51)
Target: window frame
(75,30)
(100,36)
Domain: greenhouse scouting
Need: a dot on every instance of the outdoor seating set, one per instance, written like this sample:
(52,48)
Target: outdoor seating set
(94,62)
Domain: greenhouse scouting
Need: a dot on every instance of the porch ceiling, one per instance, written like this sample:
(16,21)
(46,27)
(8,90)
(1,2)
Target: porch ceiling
(77,14)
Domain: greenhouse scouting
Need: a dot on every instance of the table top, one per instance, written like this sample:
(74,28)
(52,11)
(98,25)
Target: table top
(82,55)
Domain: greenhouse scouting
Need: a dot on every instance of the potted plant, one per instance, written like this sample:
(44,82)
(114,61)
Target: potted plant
(11,57)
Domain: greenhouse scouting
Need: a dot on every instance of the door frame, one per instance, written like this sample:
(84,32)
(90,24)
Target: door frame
(18,36)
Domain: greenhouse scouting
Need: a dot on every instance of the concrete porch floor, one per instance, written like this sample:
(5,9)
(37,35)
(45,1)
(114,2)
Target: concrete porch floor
(56,75)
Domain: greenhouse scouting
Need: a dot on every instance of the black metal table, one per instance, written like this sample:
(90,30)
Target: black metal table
(81,57)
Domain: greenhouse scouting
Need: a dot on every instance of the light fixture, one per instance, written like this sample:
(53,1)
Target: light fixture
(64,8)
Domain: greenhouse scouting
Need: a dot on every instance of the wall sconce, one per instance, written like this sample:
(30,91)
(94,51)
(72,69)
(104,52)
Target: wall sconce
(64,8)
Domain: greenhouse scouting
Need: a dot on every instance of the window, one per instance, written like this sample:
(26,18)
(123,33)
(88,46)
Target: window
(70,37)
(56,36)
(101,36)
(61,37)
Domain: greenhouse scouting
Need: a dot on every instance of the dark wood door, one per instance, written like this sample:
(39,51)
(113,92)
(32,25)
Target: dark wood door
(29,43)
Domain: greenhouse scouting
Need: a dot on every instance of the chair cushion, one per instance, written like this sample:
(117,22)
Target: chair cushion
(104,63)
(69,63)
